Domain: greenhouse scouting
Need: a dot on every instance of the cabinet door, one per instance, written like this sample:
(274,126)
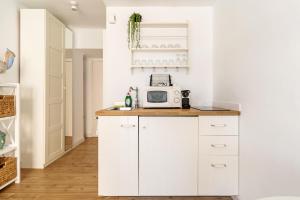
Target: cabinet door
(218,176)
(168,156)
(118,156)
(55,113)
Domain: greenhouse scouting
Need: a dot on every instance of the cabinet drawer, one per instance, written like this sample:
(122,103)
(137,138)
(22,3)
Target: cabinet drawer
(218,176)
(218,145)
(218,125)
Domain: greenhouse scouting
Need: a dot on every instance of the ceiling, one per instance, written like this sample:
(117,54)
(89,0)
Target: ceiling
(159,2)
(91,13)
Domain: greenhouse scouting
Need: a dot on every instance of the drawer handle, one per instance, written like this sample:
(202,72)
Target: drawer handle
(218,125)
(218,145)
(219,165)
(127,125)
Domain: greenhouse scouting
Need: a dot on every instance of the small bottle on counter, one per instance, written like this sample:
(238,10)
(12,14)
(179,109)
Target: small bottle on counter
(128,100)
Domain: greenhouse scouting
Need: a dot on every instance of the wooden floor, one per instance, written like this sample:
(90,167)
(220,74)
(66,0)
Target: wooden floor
(68,142)
(73,177)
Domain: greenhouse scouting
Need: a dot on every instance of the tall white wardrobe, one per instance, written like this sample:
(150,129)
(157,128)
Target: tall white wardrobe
(42,87)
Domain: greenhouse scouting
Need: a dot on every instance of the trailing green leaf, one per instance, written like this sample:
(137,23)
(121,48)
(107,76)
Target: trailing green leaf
(134,32)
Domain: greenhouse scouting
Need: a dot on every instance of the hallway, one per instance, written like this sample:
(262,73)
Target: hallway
(73,177)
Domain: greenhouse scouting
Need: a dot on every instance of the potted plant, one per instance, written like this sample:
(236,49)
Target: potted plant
(134,33)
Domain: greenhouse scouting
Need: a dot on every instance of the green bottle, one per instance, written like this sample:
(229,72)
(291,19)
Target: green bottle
(128,100)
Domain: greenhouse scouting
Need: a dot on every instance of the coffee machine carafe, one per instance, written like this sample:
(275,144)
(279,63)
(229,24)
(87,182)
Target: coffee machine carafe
(185,99)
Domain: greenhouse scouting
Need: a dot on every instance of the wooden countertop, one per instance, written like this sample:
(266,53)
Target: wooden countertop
(166,112)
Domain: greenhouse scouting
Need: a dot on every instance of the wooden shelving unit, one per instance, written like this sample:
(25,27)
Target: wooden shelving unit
(11,125)
(162,45)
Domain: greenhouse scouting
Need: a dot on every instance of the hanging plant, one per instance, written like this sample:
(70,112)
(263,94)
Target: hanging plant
(134,32)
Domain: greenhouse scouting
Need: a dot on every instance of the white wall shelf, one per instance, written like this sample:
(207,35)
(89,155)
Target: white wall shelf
(7,149)
(11,126)
(165,24)
(7,118)
(164,36)
(162,42)
(159,49)
(159,66)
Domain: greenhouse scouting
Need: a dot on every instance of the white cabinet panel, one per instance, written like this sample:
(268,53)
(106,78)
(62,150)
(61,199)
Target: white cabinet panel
(118,156)
(41,79)
(218,145)
(218,125)
(218,176)
(168,149)
(55,145)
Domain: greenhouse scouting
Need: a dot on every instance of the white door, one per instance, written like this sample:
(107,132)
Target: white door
(168,149)
(118,156)
(54,139)
(93,94)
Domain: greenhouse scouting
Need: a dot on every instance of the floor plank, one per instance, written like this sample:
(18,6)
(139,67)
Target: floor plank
(73,177)
(68,142)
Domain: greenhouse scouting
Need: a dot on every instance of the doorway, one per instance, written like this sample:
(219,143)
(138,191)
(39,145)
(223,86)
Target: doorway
(93,70)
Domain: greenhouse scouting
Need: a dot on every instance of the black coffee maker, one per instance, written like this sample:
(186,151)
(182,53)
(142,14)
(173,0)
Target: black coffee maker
(185,99)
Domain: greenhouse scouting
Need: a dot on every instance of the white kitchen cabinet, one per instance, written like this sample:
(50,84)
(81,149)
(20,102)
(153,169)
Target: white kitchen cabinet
(118,155)
(218,176)
(218,156)
(168,155)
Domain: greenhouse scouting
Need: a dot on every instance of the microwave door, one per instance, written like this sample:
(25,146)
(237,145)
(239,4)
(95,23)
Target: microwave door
(157,97)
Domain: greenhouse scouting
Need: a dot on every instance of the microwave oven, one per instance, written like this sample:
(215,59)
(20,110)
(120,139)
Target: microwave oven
(162,97)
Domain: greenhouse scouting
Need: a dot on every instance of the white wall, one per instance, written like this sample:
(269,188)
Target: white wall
(77,93)
(87,38)
(68,38)
(9,36)
(117,75)
(257,64)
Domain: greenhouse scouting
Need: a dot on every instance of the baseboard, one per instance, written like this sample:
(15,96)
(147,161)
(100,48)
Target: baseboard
(54,159)
(91,135)
(228,105)
(79,142)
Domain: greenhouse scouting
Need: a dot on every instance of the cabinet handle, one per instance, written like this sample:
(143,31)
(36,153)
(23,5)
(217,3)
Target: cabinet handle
(218,145)
(218,125)
(219,165)
(127,125)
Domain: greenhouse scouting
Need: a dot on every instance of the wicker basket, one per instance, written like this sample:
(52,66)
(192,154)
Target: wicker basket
(7,105)
(8,169)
